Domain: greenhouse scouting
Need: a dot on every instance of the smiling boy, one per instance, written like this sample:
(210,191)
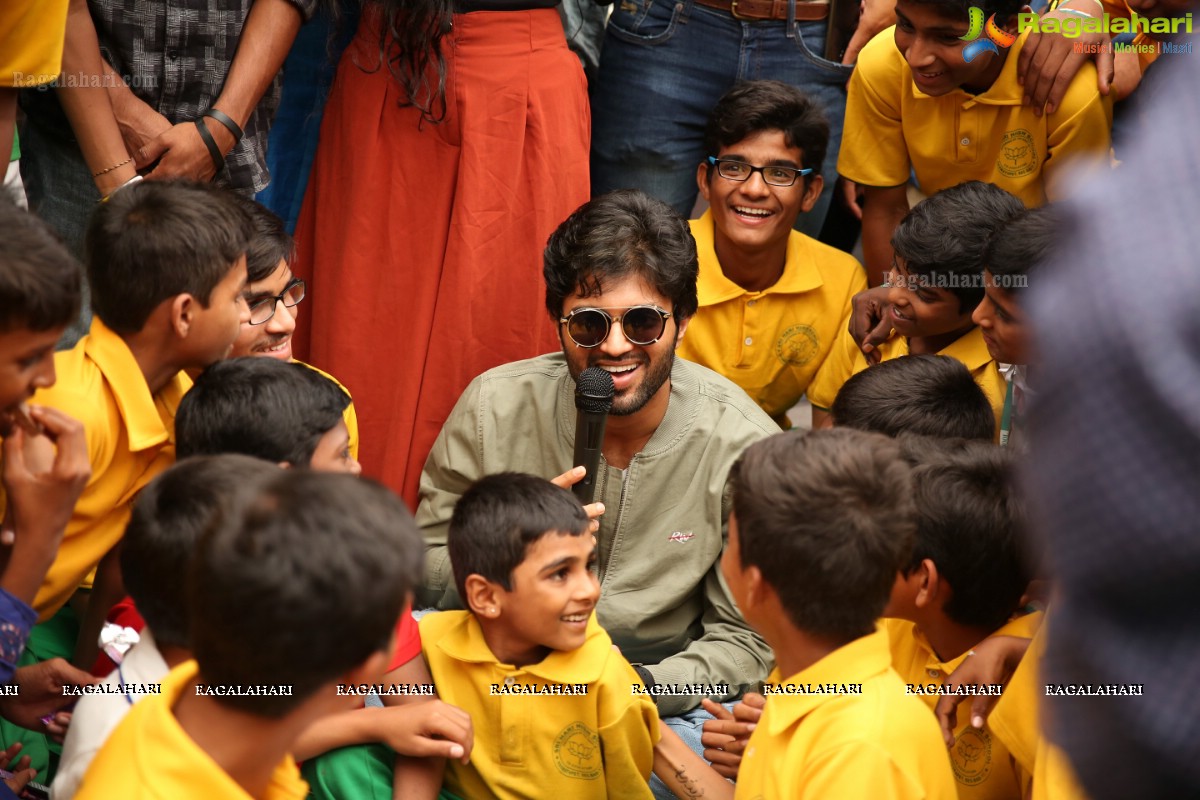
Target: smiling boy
(274,293)
(551,701)
(915,104)
(936,283)
(772,301)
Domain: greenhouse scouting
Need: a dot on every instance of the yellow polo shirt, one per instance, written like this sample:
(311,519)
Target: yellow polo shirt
(772,342)
(981,763)
(1015,721)
(349,414)
(150,757)
(130,438)
(597,744)
(893,127)
(31,41)
(882,743)
(846,360)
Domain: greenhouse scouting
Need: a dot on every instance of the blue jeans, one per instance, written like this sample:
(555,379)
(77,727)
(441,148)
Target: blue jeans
(664,66)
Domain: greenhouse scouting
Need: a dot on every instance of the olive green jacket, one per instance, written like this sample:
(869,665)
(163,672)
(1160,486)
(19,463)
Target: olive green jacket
(663,600)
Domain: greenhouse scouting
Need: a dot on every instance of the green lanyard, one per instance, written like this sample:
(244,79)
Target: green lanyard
(1006,417)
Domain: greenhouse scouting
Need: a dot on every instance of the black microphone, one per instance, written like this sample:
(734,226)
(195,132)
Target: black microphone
(594,392)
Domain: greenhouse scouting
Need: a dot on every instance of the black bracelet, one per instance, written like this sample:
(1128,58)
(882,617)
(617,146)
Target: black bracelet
(211,144)
(227,121)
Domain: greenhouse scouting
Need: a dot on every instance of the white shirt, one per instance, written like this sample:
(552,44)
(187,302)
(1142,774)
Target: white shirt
(96,715)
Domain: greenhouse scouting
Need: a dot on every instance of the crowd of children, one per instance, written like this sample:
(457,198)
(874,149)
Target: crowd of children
(202,595)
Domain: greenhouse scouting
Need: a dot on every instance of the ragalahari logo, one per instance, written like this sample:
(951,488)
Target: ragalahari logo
(995,35)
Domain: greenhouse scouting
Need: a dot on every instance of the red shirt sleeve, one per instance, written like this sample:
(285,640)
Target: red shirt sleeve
(408,640)
(125,614)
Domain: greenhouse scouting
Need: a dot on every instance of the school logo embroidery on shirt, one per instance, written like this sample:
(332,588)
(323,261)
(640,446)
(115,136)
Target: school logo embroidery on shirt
(1018,156)
(972,756)
(681,536)
(798,345)
(577,752)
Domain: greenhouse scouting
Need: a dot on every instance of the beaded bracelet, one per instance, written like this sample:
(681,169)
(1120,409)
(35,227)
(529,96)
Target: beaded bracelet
(110,169)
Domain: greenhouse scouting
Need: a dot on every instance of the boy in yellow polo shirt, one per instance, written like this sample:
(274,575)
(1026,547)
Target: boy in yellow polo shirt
(274,293)
(963,584)
(937,280)
(923,100)
(166,267)
(556,710)
(295,591)
(772,300)
(821,524)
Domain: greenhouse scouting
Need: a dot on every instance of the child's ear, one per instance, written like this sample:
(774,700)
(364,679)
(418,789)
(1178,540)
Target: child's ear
(812,193)
(183,313)
(1012,23)
(757,589)
(484,598)
(702,178)
(928,584)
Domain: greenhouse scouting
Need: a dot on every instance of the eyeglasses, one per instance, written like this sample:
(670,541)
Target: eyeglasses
(264,309)
(741,171)
(642,325)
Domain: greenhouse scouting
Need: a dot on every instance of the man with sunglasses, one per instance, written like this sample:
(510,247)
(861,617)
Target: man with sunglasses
(771,299)
(621,287)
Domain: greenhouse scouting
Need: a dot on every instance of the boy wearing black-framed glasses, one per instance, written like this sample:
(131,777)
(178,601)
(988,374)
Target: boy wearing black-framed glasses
(771,300)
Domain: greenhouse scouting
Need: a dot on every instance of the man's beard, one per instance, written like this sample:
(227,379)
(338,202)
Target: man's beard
(657,373)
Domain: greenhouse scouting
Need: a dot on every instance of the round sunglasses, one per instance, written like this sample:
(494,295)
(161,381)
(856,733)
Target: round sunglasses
(642,325)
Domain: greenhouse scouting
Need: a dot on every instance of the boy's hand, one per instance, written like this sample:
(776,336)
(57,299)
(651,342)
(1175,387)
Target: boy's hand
(21,773)
(725,737)
(44,474)
(869,321)
(851,195)
(571,477)
(41,694)
(429,729)
(992,661)
(1048,62)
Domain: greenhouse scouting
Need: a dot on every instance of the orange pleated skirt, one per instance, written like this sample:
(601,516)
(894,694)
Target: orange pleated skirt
(422,244)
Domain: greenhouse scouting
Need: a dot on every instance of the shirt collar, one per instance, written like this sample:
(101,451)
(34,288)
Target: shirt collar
(855,662)
(970,349)
(146,425)
(166,752)
(1023,626)
(800,272)
(464,642)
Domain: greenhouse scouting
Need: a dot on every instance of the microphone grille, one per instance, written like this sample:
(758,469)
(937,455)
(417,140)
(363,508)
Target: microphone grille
(594,391)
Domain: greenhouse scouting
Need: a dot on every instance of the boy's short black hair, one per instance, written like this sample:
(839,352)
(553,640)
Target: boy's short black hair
(926,394)
(751,107)
(270,244)
(942,238)
(1017,250)
(499,517)
(262,407)
(959,10)
(302,579)
(157,239)
(828,518)
(39,278)
(168,519)
(622,234)
(971,524)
